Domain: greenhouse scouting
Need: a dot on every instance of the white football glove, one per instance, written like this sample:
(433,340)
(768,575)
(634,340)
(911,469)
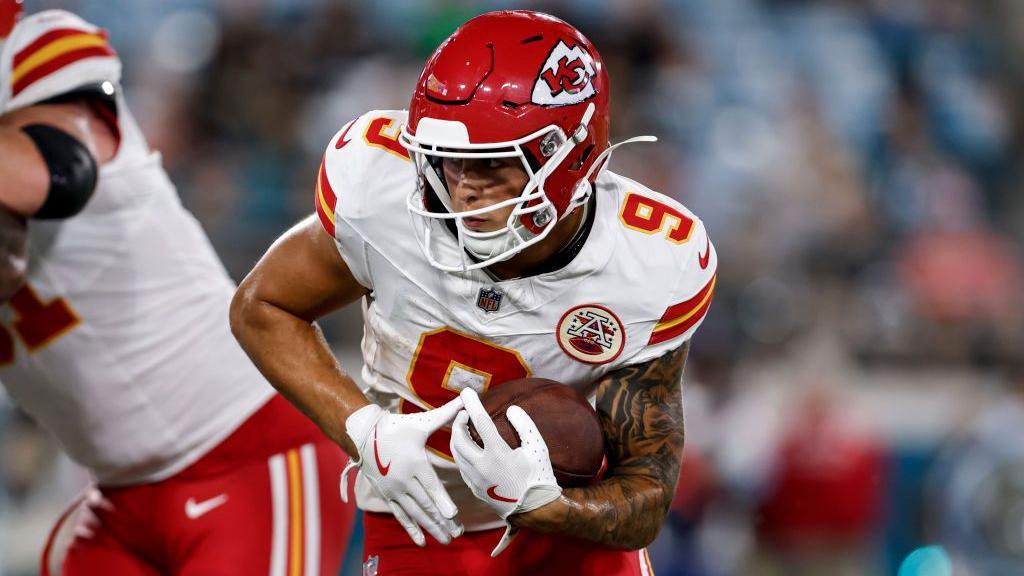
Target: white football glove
(393,457)
(510,481)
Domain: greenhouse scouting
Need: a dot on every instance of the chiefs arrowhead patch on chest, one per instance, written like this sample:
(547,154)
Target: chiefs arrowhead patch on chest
(591,334)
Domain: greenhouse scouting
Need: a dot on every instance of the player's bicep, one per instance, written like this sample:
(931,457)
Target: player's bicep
(641,411)
(49,159)
(24,178)
(302,273)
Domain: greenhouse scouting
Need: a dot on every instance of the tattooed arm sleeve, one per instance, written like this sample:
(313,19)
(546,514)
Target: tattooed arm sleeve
(641,413)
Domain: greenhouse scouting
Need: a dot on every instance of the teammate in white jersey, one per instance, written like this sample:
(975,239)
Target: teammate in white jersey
(488,242)
(117,339)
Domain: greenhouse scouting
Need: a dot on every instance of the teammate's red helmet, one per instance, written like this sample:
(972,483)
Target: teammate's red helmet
(510,84)
(10,10)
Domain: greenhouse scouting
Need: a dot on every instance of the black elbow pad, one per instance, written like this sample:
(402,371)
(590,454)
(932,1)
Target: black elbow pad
(73,171)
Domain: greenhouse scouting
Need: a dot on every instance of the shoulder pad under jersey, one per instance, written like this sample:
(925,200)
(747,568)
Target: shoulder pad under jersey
(362,185)
(364,171)
(52,53)
(672,250)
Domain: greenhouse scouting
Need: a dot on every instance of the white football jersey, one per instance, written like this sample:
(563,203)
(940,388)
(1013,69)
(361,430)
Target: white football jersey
(119,342)
(639,287)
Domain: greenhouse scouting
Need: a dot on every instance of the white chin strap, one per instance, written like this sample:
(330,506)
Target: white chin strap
(487,245)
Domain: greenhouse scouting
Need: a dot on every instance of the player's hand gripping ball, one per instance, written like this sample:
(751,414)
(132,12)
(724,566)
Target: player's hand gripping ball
(510,456)
(565,419)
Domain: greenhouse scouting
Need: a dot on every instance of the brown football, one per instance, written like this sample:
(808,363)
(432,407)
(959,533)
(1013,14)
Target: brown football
(565,419)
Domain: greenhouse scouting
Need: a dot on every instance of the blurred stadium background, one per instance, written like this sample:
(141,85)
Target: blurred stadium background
(855,401)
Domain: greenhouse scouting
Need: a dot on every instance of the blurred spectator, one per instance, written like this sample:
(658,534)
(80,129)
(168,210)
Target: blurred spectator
(977,490)
(820,509)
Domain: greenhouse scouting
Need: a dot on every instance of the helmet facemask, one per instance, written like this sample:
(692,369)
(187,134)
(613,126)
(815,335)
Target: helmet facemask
(533,215)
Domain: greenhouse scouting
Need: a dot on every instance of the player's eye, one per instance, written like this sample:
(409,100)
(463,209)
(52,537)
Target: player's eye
(459,165)
(452,165)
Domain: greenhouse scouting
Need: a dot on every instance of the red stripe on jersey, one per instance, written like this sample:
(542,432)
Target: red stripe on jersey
(27,52)
(325,186)
(325,199)
(59,62)
(683,308)
(681,317)
(328,225)
(659,336)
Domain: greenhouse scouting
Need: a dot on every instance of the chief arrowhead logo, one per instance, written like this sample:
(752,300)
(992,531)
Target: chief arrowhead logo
(493,493)
(565,78)
(702,259)
(380,465)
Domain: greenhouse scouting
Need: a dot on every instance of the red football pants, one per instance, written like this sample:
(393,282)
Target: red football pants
(388,548)
(264,501)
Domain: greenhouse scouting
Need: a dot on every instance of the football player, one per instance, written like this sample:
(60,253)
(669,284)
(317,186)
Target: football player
(117,340)
(488,242)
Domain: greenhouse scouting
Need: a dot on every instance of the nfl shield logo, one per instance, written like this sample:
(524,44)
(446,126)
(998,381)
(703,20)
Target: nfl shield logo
(489,300)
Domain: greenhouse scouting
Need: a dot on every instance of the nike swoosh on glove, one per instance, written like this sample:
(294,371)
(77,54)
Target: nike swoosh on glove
(509,481)
(393,458)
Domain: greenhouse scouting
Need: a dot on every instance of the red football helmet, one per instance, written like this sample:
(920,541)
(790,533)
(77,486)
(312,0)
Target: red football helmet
(509,84)
(10,10)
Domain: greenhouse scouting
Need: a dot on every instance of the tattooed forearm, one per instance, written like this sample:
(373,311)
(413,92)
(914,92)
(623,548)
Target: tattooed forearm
(641,413)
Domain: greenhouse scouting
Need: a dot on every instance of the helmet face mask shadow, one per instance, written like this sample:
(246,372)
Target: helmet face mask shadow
(511,84)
